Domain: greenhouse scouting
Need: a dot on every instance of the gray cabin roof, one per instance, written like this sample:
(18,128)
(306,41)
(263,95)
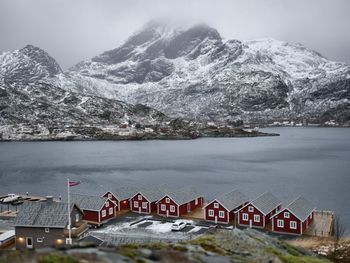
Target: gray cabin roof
(301,208)
(184,195)
(232,199)
(266,202)
(153,193)
(124,192)
(88,202)
(43,214)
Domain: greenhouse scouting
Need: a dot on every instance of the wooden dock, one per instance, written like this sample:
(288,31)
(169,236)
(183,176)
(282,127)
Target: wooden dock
(322,225)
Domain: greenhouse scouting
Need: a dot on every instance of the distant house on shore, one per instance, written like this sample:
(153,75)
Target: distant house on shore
(121,196)
(145,200)
(258,212)
(222,209)
(97,210)
(295,218)
(179,202)
(44,224)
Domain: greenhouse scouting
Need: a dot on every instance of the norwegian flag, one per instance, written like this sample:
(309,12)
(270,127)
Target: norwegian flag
(72,183)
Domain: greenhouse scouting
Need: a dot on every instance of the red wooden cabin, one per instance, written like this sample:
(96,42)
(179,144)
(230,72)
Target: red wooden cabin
(145,200)
(222,209)
(179,202)
(120,196)
(258,212)
(295,218)
(97,210)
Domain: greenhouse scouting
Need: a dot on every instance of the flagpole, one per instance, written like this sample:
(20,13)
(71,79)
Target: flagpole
(69,218)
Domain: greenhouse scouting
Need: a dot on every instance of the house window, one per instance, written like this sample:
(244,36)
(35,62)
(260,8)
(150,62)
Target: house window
(109,195)
(47,230)
(280,223)
(196,202)
(172,208)
(221,214)
(139,197)
(216,205)
(286,215)
(250,209)
(39,240)
(256,218)
(293,225)
(144,205)
(110,210)
(77,218)
(136,204)
(167,200)
(107,204)
(103,213)
(245,217)
(162,207)
(211,212)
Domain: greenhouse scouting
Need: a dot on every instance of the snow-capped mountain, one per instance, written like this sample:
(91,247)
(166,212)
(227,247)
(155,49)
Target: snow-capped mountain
(194,73)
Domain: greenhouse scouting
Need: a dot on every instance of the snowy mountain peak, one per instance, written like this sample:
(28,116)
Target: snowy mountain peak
(27,64)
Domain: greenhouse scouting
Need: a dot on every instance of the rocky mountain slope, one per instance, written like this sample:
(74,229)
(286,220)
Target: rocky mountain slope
(194,73)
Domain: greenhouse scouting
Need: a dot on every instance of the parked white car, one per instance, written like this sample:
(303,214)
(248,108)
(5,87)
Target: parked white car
(177,226)
(10,198)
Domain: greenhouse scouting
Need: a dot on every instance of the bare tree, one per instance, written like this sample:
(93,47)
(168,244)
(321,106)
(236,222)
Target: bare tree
(339,231)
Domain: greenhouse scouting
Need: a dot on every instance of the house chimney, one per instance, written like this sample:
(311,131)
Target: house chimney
(49,199)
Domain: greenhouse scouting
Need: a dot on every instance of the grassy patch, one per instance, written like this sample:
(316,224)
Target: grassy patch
(208,243)
(295,258)
(53,258)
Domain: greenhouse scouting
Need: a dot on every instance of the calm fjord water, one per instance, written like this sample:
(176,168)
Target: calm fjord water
(314,162)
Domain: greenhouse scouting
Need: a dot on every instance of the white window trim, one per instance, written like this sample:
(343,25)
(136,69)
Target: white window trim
(136,204)
(293,224)
(144,205)
(109,195)
(103,213)
(221,214)
(139,197)
(250,208)
(110,210)
(39,240)
(211,212)
(167,200)
(216,205)
(257,218)
(107,204)
(47,230)
(172,208)
(280,223)
(286,215)
(245,217)
(162,207)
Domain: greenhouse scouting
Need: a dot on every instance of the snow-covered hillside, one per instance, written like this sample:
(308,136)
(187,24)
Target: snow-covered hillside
(194,73)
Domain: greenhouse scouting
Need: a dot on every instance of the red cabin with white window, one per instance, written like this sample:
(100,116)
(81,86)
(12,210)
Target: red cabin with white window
(179,202)
(145,200)
(295,218)
(121,197)
(257,213)
(222,209)
(97,210)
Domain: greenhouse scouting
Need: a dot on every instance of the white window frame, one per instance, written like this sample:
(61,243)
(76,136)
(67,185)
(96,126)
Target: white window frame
(286,214)
(39,240)
(250,208)
(47,230)
(257,218)
(293,224)
(211,212)
(221,214)
(245,217)
(144,205)
(103,213)
(139,197)
(163,207)
(216,205)
(136,204)
(172,208)
(280,223)
(107,204)
(77,218)
(167,200)
(110,211)
(109,195)
(196,201)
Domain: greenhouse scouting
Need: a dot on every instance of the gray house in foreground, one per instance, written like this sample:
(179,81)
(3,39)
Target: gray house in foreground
(44,224)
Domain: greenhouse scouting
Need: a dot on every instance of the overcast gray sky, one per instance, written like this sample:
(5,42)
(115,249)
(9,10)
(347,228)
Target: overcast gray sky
(73,30)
